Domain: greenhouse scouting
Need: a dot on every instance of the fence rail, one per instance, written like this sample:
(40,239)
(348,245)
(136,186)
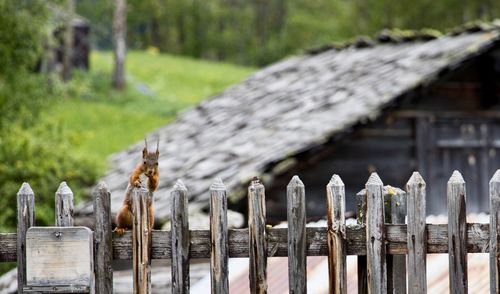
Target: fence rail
(389,251)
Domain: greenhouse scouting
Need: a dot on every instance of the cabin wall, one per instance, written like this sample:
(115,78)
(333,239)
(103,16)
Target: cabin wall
(451,124)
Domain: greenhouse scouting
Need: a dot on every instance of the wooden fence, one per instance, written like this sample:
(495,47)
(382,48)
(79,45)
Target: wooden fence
(391,254)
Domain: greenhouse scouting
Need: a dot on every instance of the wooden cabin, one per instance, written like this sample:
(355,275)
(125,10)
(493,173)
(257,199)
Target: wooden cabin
(392,105)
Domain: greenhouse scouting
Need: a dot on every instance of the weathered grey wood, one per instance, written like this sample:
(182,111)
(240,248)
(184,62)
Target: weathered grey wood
(25,220)
(457,232)
(361,259)
(141,237)
(395,213)
(103,236)
(219,252)
(59,256)
(375,236)
(494,230)
(257,237)
(297,239)
(478,240)
(417,235)
(180,239)
(8,247)
(56,289)
(64,206)
(335,207)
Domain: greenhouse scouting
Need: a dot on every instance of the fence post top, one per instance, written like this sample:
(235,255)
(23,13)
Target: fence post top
(456,177)
(25,189)
(255,184)
(64,189)
(374,180)
(179,185)
(336,181)
(218,185)
(101,186)
(295,181)
(416,179)
(496,177)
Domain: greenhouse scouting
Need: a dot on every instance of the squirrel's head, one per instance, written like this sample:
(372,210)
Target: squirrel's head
(150,159)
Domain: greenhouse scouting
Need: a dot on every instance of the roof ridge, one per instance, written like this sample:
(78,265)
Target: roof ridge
(398,36)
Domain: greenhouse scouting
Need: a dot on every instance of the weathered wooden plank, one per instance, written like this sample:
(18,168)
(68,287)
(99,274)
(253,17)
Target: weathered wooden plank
(375,236)
(103,237)
(56,289)
(8,247)
(478,240)
(417,235)
(257,237)
(457,229)
(25,220)
(219,252)
(51,258)
(361,259)
(141,237)
(395,213)
(64,206)
(494,229)
(335,203)
(180,239)
(297,238)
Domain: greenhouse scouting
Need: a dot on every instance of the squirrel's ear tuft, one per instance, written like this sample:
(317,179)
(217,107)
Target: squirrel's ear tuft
(158,147)
(145,150)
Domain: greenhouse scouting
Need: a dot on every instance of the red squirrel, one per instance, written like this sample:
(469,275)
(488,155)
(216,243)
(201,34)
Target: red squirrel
(149,168)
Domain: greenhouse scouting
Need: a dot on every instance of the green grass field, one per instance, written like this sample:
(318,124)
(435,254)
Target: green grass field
(102,121)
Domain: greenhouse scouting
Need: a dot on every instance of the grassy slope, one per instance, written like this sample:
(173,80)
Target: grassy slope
(104,121)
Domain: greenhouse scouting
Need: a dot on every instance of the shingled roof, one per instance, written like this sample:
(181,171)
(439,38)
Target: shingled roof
(290,107)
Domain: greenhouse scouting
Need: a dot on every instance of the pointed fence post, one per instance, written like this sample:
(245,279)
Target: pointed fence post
(103,236)
(395,213)
(457,234)
(297,239)
(417,235)
(141,240)
(494,230)
(361,259)
(64,206)
(219,238)
(257,237)
(375,236)
(180,239)
(335,203)
(25,220)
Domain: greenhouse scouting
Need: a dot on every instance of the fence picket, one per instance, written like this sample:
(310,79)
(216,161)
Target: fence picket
(257,237)
(219,238)
(494,229)
(375,236)
(395,213)
(457,234)
(335,203)
(296,216)
(180,238)
(361,259)
(25,220)
(417,235)
(64,206)
(141,240)
(103,255)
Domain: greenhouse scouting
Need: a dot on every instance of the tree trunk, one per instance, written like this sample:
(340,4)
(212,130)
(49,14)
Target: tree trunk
(68,41)
(119,38)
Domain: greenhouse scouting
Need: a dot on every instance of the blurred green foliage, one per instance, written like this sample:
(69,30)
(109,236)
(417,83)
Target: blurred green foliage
(36,152)
(258,32)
